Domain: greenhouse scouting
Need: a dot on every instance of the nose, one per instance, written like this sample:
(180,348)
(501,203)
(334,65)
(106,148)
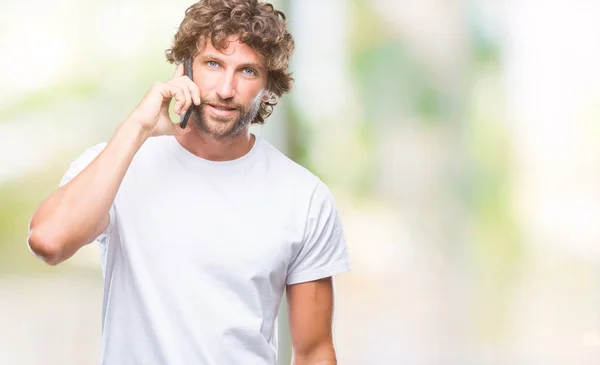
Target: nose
(226,87)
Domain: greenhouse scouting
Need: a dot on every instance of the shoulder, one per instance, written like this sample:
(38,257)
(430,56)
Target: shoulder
(156,145)
(287,171)
(153,153)
(152,145)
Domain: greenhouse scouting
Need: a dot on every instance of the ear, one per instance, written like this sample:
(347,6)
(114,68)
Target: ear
(270,98)
(267,96)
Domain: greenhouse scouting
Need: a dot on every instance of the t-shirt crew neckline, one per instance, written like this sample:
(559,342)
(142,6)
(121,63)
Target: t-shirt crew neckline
(192,158)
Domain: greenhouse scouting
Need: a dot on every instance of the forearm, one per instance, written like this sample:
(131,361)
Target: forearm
(77,212)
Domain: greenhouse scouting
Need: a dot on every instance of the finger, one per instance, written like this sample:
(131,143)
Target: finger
(178,72)
(188,98)
(180,99)
(193,90)
(184,85)
(170,91)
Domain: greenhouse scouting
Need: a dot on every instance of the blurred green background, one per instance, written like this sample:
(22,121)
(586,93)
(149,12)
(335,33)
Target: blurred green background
(459,138)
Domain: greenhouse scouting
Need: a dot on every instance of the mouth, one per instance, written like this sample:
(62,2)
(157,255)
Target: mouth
(221,110)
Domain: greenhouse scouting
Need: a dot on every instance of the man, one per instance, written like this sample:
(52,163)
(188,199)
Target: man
(202,228)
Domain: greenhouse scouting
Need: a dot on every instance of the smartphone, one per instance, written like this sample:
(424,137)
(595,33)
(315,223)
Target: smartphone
(187,69)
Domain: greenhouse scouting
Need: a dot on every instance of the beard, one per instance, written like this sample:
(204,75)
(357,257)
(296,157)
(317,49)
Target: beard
(226,127)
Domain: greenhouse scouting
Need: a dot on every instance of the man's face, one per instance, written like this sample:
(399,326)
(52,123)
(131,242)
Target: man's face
(232,85)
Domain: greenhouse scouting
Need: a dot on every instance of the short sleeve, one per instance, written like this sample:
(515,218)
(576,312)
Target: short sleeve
(75,168)
(323,252)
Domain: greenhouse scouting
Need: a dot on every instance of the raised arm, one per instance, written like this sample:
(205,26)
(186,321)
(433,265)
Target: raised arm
(76,213)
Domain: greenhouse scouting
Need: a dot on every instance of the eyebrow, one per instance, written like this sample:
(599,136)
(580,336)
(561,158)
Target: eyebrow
(253,65)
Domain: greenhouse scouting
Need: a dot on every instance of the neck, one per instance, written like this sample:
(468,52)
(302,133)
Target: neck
(213,148)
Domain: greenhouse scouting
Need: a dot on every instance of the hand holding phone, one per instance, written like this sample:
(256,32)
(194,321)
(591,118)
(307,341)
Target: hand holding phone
(152,113)
(183,120)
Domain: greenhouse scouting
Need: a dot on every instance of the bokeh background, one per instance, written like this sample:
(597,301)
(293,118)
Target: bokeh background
(459,138)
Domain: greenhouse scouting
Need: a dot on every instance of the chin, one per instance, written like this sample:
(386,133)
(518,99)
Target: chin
(219,128)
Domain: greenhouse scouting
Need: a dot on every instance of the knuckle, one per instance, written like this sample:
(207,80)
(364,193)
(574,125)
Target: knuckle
(192,83)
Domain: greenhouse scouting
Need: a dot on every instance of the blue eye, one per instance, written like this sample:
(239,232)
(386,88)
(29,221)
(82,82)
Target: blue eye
(212,64)
(249,71)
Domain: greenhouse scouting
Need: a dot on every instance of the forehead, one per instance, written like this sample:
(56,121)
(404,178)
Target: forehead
(234,52)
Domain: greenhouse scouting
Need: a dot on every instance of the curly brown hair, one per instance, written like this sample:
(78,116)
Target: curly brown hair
(258,25)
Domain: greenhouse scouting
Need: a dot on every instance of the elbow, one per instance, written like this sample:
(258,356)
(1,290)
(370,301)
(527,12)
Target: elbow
(323,354)
(45,248)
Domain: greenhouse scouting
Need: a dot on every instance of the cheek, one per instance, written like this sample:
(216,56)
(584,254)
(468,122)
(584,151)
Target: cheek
(206,83)
(250,92)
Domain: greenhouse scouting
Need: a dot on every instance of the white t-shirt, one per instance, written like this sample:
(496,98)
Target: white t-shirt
(198,253)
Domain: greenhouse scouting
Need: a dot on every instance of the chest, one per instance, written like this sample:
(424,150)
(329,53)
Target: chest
(207,225)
